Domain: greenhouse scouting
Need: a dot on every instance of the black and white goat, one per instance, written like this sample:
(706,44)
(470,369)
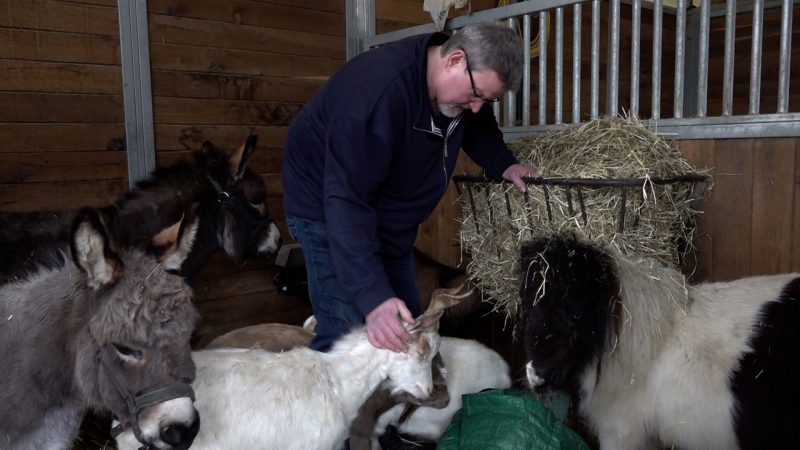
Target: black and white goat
(651,361)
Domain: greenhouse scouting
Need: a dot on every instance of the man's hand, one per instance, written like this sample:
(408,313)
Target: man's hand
(384,329)
(515,172)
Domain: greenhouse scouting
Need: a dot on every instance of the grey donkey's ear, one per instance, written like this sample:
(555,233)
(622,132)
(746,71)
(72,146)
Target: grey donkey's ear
(92,248)
(177,240)
(241,156)
(441,299)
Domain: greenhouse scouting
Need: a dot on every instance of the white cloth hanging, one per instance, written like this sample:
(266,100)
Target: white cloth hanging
(438,9)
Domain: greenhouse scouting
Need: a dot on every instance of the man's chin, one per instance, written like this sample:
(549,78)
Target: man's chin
(450,111)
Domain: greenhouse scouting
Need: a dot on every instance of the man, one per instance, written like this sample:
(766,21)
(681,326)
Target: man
(370,156)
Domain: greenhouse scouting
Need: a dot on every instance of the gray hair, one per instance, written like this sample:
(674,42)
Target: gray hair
(490,45)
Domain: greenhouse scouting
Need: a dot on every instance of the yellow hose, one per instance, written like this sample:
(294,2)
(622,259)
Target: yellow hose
(536,43)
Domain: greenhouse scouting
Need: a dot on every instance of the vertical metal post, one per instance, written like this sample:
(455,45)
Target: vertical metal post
(612,75)
(785,56)
(559,69)
(635,56)
(702,59)
(360,23)
(595,86)
(655,94)
(526,71)
(680,43)
(511,97)
(730,46)
(134,48)
(543,67)
(576,63)
(755,57)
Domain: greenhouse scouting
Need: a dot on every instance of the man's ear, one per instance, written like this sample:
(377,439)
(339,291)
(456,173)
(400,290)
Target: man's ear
(455,59)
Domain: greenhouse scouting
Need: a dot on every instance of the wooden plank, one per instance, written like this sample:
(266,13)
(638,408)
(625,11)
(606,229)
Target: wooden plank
(170,110)
(733,209)
(283,17)
(773,176)
(236,284)
(205,33)
(61,137)
(239,62)
(64,108)
(169,83)
(700,262)
(264,160)
(191,137)
(55,196)
(404,11)
(59,47)
(62,166)
(336,6)
(65,78)
(59,16)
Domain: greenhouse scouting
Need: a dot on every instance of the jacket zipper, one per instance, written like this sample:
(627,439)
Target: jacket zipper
(436,131)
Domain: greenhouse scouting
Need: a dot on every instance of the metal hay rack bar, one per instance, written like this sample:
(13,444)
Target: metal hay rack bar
(574,188)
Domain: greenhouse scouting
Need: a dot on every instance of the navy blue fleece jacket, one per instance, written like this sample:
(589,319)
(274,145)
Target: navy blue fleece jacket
(364,157)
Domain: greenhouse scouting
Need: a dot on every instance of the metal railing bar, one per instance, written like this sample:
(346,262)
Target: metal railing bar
(559,66)
(635,56)
(702,64)
(680,43)
(755,58)
(730,46)
(655,95)
(498,13)
(576,63)
(785,56)
(612,75)
(543,41)
(526,70)
(595,86)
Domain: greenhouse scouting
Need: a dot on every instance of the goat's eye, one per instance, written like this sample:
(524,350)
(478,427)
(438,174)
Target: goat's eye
(577,315)
(127,353)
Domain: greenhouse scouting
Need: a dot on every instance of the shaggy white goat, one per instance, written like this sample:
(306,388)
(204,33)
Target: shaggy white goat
(302,399)
(471,367)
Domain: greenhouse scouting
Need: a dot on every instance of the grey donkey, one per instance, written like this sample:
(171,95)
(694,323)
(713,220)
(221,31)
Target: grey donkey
(109,329)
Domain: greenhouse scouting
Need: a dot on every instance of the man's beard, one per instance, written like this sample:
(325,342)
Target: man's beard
(450,110)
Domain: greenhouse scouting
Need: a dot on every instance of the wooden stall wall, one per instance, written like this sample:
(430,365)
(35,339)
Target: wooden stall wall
(61,120)
(221,70)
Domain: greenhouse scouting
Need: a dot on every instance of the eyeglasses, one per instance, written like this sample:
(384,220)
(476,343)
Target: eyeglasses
(472,82)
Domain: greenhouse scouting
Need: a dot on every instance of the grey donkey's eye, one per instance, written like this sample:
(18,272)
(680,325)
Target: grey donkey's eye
(127,353)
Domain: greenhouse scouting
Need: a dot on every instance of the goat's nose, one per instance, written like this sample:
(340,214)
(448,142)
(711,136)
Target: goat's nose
(424,391)
(180,435)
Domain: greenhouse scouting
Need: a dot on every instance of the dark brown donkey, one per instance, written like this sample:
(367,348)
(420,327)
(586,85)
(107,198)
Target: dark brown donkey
(107,329)
(228,199)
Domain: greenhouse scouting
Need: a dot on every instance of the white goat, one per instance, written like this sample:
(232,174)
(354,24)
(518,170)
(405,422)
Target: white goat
(302,399)
(471,367)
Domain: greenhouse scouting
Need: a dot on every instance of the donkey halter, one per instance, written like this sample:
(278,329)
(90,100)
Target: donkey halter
(136,404)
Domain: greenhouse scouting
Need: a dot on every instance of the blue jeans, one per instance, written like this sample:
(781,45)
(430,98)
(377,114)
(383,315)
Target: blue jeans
(335,312)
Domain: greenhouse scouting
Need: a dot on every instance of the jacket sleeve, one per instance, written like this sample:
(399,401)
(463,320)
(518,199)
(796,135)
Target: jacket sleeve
(357,160)
(483,142)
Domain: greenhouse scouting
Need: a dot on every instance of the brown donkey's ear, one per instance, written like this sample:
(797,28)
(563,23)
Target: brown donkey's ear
(241,156)
(441,299)
(92,249)
(177,240)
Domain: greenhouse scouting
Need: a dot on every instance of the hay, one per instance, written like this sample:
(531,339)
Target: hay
(657,222)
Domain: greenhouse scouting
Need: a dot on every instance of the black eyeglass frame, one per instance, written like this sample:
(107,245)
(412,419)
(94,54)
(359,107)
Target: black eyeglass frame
(472,82)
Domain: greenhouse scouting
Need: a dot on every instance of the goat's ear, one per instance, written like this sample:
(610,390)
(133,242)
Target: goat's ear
(442,299)
(241,156)
(214,156)
(177,240)
(92,249)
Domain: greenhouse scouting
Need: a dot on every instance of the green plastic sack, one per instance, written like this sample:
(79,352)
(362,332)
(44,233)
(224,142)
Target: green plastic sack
(510,419)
